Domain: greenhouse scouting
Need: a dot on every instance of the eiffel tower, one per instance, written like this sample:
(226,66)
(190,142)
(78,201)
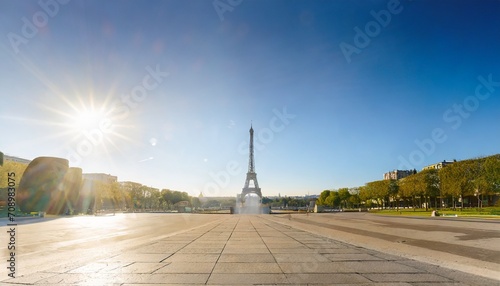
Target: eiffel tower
(251,175)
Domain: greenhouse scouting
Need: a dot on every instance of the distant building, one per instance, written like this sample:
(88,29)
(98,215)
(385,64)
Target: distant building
(310,197)
(397,174)
(439,165)
(7,158)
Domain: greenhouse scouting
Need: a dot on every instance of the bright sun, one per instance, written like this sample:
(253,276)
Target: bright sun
(88,119)
(85,124)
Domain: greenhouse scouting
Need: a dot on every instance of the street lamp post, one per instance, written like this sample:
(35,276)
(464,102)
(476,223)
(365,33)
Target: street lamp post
(478,195)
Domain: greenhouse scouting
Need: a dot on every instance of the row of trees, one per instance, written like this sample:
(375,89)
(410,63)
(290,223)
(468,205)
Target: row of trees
(216,202)
(341,198)
(470,180)
(286,202)
(135,196)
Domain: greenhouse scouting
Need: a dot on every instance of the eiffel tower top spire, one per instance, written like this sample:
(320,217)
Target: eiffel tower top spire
(251,163)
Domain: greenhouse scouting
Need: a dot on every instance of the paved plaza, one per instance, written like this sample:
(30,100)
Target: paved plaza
(247,250)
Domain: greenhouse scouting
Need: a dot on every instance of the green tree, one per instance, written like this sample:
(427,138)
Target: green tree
(424,185)
(491,173)
(266,200)
(420,186)
(432,185)
(195,202)
(344,196)
(365,196)
(167,196)
(227,202)
(104,195)
(322,198)
(132,194)
(408,189)
(212,204)
(393,192)
(379,191)
(333,199)
(354,200)
(457,179)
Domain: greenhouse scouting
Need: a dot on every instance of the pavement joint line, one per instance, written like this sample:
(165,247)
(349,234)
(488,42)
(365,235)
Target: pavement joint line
(260,236)
(161,261)
(434,245)
(245,231)
(295,238)
(403,257)
(329,240)
(167,236)
(220,254)
(192,240)
(86,261)
(303,244)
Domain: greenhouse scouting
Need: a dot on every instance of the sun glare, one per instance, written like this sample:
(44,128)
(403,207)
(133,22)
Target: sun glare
(77,119)
(88,119)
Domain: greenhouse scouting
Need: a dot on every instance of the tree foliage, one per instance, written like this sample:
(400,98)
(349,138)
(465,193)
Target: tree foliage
(322,198)
(461,178)
(286,202)
(135,196)
(344,196)
(456,181)
(333,199)
(378,191)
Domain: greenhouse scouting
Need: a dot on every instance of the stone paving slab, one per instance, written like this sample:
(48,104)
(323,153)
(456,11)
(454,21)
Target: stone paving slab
(304,250)
(62,268)
(251,279)
(261,258)
(140,268)
(32,278)
(350,257)
(247,267)
(78,278)
(300,257)
(216,250)
(187,267)
(172,278)
(327,278)
(243,250)
(139,257)
(405,277)
(103,267)
(193,257)
(160,247)
(250,250)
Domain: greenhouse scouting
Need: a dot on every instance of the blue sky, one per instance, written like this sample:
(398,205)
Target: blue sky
(167,90)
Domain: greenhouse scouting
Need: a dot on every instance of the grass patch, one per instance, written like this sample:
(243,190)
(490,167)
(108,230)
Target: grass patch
(403,212)
(468,212)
